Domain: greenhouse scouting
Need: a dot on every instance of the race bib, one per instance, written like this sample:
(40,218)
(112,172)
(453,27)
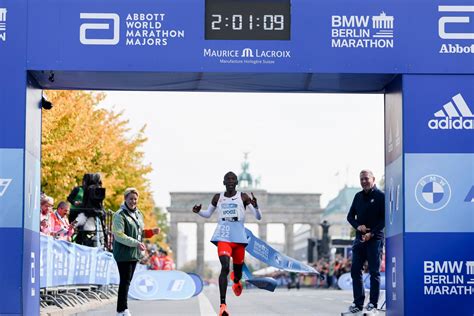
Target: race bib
(229,210)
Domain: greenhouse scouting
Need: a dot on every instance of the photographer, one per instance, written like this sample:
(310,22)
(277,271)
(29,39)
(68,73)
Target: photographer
(76,197)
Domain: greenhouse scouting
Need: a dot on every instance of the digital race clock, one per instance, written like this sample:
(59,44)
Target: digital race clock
(247,20)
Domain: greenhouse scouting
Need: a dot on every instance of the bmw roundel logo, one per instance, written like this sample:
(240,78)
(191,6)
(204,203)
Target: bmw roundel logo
(433,192)
(146,286)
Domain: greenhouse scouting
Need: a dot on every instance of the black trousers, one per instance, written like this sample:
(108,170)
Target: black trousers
(126,270)
(372,252)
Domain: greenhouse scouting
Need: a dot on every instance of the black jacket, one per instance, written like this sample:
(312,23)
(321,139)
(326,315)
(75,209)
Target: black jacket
(368,209)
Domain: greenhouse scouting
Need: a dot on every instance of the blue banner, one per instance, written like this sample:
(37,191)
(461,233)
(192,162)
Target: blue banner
(64,263)
(322,36)
(265,253)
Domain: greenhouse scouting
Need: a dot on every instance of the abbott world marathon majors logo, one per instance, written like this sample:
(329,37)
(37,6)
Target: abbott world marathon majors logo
(433,192)
(362,31)
(246,55)
(141,29)
(455,114)
(455,28)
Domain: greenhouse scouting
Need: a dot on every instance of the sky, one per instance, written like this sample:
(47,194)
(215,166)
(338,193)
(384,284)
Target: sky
(297,142)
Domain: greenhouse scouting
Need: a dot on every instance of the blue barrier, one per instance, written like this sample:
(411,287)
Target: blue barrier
(65,263)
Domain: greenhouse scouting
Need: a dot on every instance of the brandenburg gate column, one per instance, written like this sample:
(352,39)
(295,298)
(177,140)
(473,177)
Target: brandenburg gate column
(262,231)
(200,248)
(289,239)
(173,238)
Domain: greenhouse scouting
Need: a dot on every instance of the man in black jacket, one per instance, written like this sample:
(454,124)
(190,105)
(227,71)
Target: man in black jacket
(367,216)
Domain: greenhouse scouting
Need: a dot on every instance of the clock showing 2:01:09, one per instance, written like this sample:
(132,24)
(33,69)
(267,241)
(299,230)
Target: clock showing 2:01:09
(247,20)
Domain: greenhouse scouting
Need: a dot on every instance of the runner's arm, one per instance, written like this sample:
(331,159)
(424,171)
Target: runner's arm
(211,208)
(256,211)
(252,205)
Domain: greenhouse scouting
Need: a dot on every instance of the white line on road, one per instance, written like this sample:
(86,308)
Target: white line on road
(205,307)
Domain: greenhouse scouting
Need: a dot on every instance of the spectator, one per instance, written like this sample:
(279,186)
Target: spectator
(166,263)
(61,228)
(46,222)
(367,216)
(129,230)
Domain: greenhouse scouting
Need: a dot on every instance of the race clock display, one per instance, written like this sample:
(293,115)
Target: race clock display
(247,20)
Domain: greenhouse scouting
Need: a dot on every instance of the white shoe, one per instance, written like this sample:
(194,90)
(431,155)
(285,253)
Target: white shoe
(371,309)
(354,310)
(124,313)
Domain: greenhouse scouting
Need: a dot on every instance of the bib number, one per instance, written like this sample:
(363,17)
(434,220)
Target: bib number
(224,231)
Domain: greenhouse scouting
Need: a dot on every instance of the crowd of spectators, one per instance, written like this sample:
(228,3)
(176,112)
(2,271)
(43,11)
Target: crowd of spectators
(55,223)
(156,258)
(80,216)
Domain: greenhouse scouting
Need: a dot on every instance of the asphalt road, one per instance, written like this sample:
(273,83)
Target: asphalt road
(313,302)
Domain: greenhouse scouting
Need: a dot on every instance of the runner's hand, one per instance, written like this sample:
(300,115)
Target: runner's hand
(253,200)
(197,208)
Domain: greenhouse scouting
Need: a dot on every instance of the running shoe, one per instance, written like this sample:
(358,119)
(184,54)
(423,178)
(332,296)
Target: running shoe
(236,287)
(223,310)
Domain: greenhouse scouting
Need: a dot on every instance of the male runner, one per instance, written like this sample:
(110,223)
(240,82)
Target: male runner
(230,236)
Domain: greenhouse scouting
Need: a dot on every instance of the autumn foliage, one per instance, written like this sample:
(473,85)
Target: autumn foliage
(79,138)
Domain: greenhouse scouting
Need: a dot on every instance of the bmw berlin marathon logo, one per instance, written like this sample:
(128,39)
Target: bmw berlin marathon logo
(432,192)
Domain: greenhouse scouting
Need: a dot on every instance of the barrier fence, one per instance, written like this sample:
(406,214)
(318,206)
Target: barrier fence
(64,263)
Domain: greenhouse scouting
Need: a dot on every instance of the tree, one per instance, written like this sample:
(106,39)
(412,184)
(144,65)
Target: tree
(78,138)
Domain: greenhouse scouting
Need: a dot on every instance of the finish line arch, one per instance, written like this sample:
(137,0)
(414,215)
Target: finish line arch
(419,53)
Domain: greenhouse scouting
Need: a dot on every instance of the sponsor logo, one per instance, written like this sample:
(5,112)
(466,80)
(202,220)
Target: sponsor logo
(260,250)
(394,196)
(32,273)
(455,18)
(4,184)
(177,285)
(146,285)
(228,205)
(362,31)
(3,24)
(448,277)
(394,278)
(148,29)
(278,259)
(141,29)
(455,114)
(470,196)
(246,55)
(432,192)
(113,22)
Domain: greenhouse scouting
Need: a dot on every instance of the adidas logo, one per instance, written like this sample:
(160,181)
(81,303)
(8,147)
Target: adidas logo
(454,115)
